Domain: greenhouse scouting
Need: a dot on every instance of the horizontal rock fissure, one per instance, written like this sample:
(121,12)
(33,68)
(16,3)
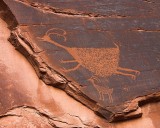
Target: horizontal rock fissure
(36,111)
(69,12)
(144,30)
(43,114)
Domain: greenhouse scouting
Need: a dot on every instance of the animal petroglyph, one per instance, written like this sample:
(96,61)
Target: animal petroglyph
(102,90)
(102,62)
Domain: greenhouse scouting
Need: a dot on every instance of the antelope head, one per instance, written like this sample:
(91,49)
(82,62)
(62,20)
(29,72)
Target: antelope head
(60,33)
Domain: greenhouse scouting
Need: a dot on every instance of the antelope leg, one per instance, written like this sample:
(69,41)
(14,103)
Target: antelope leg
(129,70)
(72,69)
(68,61)
(126,74)
(100,95)
(110,97)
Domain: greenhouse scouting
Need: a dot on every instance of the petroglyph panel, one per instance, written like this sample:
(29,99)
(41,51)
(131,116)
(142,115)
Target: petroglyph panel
(111,51)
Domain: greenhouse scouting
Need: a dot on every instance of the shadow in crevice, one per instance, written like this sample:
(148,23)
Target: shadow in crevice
(7,15)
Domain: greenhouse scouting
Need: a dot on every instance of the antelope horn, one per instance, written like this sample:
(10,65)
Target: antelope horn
(56,30)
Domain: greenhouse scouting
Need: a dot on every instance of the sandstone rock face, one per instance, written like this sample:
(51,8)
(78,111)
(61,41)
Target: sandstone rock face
(26,102)
(104,54)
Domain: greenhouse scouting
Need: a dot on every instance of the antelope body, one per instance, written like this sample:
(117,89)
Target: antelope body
(102,90)
(102,62)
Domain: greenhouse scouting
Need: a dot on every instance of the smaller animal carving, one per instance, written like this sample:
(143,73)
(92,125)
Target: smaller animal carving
(102,90)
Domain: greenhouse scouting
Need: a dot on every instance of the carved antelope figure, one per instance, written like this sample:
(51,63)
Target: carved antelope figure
(102,62)
(102,90)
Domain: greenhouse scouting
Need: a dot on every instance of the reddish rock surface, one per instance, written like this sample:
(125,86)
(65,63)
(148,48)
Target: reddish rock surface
(101,57)
(26,102)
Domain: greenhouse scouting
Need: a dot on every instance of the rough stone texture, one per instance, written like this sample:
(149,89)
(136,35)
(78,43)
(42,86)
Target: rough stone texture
(26,102)
(150,118)
(69,48)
